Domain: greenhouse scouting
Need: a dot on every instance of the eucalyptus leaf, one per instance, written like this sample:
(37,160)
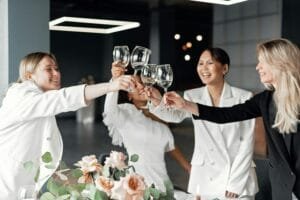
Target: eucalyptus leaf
(46,157)
(53,187)
(63,197)
(134,158)
(155,193)
(147,194)
(47,196)
(76,173)
(99,195)
(37,175)
(28,166)
(50,166)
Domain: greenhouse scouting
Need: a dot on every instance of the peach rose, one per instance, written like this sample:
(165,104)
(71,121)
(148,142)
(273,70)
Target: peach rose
(104,184)
(88,164)
(131,187)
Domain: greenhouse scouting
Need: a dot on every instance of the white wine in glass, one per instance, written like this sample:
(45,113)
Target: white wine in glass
(164,76)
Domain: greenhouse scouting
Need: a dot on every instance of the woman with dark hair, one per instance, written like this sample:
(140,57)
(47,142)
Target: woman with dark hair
(131,125)
(279,70)
(222,163)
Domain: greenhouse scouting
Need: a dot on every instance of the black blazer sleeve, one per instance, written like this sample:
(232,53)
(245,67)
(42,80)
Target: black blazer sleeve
(248,110)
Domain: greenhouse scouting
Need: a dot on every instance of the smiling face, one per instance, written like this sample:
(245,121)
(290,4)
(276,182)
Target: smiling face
(136,95)
(264,71)
(47,75)
(210,70)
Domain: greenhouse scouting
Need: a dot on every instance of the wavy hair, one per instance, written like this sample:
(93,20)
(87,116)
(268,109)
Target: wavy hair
(29,64)
(284,58)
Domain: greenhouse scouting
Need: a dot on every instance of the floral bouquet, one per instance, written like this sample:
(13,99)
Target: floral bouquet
(93,181)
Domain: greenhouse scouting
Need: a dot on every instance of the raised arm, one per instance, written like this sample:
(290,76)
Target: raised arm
(177,155)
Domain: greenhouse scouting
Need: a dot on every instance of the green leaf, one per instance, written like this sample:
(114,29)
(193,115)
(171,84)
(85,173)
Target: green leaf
(117,174)
(50,166)
(76,173)
(134,158)
(53,187)
(37,175)
(154,193)
(64,197)
(47,196)
(28,166)
(46,157)
(147,194)
(99,195)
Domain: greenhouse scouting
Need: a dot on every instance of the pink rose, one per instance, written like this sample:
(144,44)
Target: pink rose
(88,164)
(104,184)
(116,160)
(131,187)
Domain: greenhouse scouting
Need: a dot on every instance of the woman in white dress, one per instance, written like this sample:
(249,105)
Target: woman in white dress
(28,127)
(222,160)
(132,125)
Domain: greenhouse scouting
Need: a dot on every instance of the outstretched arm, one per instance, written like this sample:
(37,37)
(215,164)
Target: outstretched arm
(179,157)
(175,100)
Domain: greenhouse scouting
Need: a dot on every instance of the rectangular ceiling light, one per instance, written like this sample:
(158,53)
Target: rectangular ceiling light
(117,25)
(223,2)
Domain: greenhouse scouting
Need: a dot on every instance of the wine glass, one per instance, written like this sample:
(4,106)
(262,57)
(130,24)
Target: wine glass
(27,192)
(148,76)
(139,58)
(122,55)
(164,76)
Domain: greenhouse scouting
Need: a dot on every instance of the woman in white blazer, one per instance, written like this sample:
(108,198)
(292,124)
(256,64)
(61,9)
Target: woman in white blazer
(28,127)
(222,160)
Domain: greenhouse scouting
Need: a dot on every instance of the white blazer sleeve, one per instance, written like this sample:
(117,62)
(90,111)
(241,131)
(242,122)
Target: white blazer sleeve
(112,117)
(27,103)
(167,114)
(241,165)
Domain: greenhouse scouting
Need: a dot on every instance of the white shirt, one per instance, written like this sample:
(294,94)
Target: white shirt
(28,129)
(140,135)
(222,158)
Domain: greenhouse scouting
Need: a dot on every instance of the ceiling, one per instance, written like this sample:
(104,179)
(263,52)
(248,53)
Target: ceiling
(116,8)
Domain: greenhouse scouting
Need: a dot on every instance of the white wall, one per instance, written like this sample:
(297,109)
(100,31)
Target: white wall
(24,29)
(238,29)
(4,47)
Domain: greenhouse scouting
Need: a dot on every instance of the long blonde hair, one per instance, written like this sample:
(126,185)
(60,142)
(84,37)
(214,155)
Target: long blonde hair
(29,64)
(284,58)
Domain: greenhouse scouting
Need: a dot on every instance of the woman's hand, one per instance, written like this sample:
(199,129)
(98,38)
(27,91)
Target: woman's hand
(174,100)
(231,195)
(123,82)
(117,70)
(153,95)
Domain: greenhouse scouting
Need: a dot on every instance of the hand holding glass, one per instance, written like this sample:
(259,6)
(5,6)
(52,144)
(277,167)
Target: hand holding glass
(148,75)
(164,76)
(122,55)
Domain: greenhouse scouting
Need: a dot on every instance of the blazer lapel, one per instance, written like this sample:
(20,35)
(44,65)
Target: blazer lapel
(214,129)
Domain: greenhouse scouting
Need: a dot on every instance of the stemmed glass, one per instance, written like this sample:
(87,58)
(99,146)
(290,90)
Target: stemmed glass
(148,76)
(164,76)
(139,58)
(121,54)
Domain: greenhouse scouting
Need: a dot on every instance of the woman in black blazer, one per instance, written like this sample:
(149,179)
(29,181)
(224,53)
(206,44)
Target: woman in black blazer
(279,70)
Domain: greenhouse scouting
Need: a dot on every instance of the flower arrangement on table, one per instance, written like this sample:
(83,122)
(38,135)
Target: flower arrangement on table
(93,181)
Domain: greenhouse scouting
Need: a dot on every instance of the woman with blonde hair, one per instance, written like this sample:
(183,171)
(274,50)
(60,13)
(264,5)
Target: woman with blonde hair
(279,70)
(28,127)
